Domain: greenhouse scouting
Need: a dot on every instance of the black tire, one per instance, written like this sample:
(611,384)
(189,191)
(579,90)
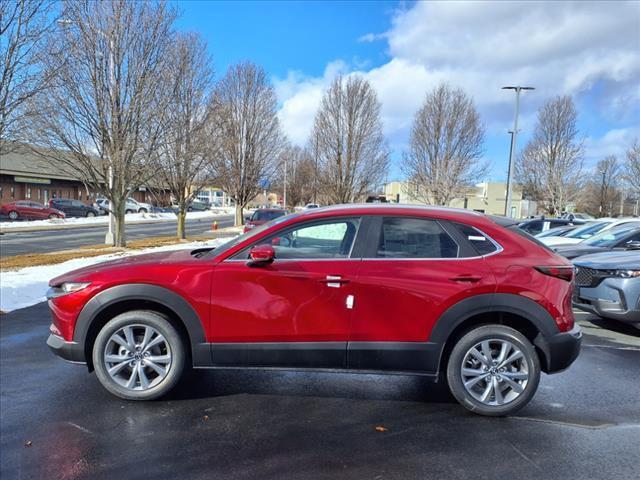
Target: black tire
(13,215)
(142,210)
(90,214)
(127,212)
(52,216)
(139,318)
(495,334)
(189,209)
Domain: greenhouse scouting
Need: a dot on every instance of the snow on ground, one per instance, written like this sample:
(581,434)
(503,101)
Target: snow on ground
(104,219)
(28,286)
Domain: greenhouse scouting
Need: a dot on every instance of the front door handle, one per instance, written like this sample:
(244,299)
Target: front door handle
(334,281)
(466,278)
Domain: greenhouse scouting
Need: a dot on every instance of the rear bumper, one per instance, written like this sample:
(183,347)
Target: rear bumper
(560,350)
(70,351)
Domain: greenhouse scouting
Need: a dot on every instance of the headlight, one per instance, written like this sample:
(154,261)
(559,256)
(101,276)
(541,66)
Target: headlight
(65,288)
(622,273)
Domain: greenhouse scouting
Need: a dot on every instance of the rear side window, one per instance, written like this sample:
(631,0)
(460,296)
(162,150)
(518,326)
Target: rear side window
(522,233)
(404,237)
(478,240)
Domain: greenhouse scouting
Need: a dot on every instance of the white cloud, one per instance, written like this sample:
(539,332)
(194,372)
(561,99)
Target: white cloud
(614,142)
(578,48)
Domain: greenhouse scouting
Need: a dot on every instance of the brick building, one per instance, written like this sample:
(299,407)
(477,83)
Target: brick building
(25,175)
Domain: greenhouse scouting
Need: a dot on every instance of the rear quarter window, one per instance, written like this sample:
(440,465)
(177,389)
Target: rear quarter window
(480,242)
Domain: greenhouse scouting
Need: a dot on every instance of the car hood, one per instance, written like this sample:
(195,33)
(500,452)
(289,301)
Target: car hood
(172,257)
(573,251)
(611,260)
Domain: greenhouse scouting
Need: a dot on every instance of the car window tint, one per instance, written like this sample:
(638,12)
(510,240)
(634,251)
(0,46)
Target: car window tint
(533,227)
(324,240)
(480,242)
(414,238)
(266,215)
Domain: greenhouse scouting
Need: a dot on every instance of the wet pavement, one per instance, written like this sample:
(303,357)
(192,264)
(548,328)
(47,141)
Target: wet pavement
(58,423)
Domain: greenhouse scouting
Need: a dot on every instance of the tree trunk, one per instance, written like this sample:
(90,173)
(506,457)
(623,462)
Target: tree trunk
(182,216)
(239,216)
(119,238)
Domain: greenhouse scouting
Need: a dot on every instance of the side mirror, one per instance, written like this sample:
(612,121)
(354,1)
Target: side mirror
(261,255)
(632,245)
(247,218)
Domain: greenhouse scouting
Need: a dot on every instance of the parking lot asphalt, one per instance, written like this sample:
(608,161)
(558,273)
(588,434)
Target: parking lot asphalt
(57,422)
(44,241)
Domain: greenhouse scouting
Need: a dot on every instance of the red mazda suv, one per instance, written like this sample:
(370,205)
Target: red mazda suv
(450,294)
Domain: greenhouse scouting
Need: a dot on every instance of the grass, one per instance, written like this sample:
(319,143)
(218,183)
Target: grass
(52,258)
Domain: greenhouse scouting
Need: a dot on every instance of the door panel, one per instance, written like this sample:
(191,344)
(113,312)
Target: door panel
(399,300)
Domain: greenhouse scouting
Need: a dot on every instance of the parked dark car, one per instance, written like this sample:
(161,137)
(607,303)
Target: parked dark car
(624,237)
(535,226)
(608,284)
(262,216)
(73,208)
(448,294)
(28,210)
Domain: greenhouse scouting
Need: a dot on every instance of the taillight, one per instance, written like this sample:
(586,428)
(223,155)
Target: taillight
(564,272)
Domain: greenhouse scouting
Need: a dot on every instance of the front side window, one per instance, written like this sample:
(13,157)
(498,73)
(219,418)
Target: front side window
(311,241)
(414,238)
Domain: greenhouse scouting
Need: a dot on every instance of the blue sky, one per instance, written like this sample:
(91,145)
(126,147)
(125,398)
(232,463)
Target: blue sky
(589,50)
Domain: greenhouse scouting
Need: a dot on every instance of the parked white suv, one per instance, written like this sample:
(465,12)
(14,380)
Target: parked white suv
(132,206)
(586,231)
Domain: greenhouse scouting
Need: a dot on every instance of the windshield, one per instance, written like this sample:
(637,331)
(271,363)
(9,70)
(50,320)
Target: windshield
(588,230)
(610,237)
(251,233)
(556,232)
(266,215)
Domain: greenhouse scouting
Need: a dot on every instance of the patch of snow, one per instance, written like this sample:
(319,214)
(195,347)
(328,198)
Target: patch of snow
(104,219)
(28,286)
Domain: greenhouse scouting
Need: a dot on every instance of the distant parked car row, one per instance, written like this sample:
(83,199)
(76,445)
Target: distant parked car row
(28,210)
(606,256)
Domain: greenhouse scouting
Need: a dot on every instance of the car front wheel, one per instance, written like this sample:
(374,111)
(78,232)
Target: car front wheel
(90,214)
(138,355)
(493,370)
(13,215)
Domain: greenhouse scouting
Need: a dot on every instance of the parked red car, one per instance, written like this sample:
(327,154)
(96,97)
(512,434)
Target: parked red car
(445,293)
(29,210)
(262,216)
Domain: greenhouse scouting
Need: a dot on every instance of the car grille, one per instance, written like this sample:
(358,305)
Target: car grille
(586,277)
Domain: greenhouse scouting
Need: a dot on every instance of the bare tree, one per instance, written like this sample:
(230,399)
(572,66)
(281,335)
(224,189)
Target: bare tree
(249,138)
(347,137)
(300,167)
(445,147)
(183,156)
(550,166)
(632,167)
(600,193)
(24,28)
(106,108)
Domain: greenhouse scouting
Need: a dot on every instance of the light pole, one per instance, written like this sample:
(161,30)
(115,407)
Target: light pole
(512,152)
(108,238)
(284,193)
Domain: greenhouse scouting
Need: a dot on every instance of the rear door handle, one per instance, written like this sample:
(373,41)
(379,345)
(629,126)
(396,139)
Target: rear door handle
(334,281)
(466,278)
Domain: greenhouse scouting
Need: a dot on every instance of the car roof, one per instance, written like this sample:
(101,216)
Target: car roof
(395,208)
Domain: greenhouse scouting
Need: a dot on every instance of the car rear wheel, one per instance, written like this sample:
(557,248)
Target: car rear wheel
(13,215)
(142,210)
(139,355)
(493,370)
(52,216)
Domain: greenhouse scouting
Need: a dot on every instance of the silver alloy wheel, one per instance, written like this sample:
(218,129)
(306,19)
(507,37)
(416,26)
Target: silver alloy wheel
(137,357)
(495,372)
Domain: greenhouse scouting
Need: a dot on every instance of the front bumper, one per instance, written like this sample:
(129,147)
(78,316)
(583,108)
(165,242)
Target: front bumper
(559,350)
(617,299)
(70,351)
